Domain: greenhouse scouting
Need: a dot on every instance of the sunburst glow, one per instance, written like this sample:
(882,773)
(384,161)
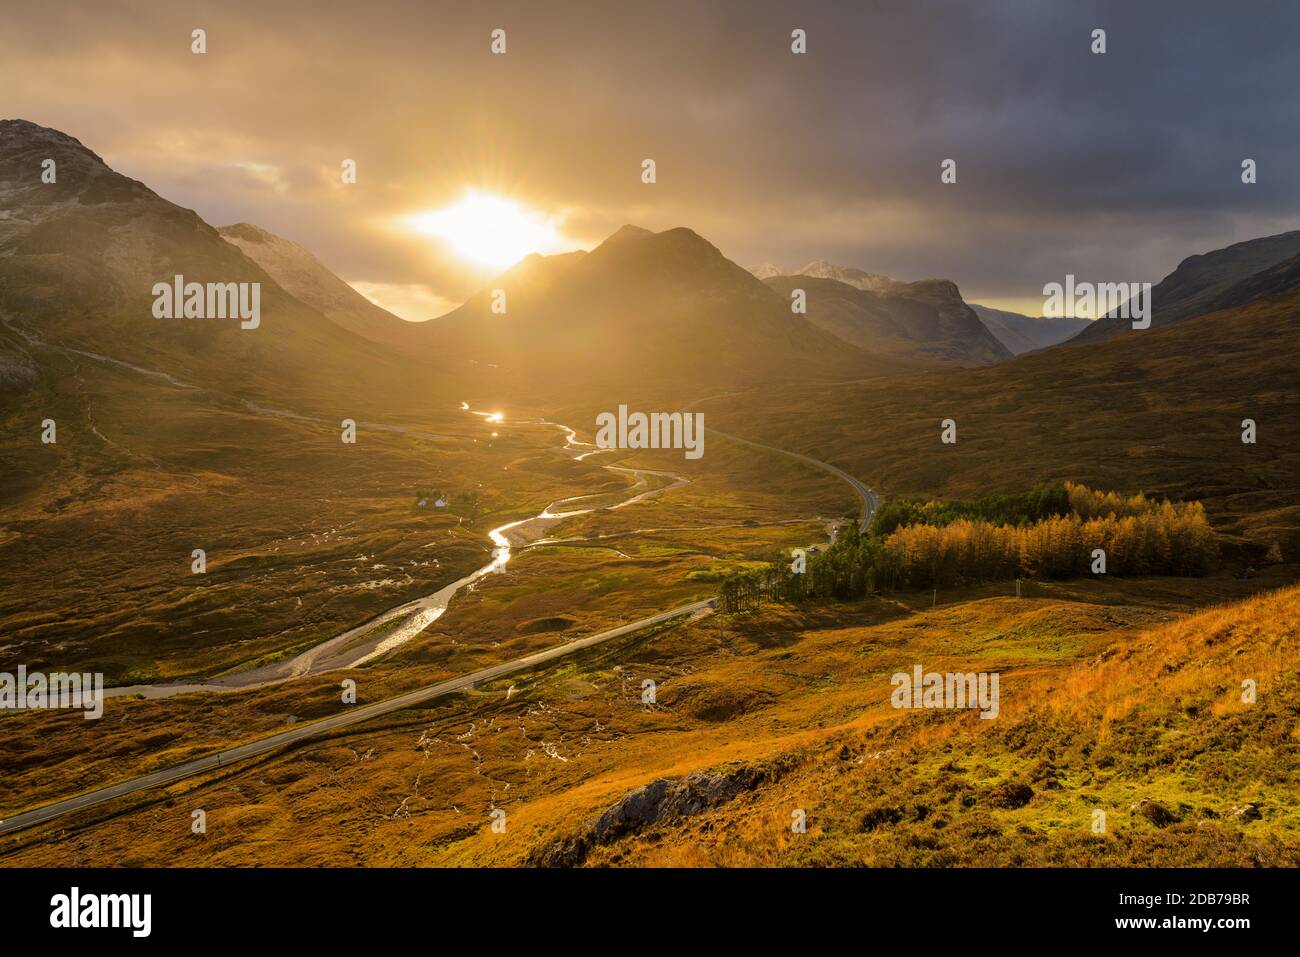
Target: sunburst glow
(490,230)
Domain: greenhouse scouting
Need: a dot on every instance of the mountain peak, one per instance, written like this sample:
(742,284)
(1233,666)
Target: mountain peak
(938,288)
(679,244)
(766,270)
(849,275)
(23,138)
(663,307)
(819,266)
(247,232)
(629,231)
(20,130)
(81,181)
(684,236)
(911,321)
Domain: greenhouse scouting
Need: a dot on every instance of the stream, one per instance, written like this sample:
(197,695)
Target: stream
(370,639)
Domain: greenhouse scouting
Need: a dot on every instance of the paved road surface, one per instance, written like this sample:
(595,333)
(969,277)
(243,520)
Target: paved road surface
(352,715)
(870,500)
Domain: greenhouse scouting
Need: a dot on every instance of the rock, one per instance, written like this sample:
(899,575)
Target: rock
(660,801)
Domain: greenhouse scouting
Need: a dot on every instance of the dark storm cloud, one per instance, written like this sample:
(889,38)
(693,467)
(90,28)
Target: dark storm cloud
(1112,167)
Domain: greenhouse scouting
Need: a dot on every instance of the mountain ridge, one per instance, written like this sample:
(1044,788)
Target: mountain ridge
(1198,284)
(921,321)
(1021,333)
(312,282)
(668,306)
(80,256)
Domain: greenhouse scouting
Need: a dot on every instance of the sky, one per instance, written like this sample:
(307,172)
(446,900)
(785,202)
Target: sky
(1110,167)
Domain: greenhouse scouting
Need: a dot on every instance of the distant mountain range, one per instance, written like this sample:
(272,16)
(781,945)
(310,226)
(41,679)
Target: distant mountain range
(1208,282)
(821,269)
(1054,415)
(79,257)
(1021,333)
(924,321)
(647,307)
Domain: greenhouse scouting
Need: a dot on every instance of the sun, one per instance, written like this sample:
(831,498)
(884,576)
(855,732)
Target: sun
(489,230)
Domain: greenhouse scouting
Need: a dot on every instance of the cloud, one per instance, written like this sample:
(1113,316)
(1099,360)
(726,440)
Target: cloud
(1116,165)
(266,175)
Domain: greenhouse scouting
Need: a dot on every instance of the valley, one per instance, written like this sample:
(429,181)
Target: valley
(787,711)
(442,586)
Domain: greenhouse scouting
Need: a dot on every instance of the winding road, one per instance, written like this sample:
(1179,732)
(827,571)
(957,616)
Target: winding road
(361,713)
(353,715)
(870,500)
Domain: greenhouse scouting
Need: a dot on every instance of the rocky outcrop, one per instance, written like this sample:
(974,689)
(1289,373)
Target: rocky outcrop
(662,801)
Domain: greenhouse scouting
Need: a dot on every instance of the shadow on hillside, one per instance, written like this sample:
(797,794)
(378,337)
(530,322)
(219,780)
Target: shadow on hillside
(780,626)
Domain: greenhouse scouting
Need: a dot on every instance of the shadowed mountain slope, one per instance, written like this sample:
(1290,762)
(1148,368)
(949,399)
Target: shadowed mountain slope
(1199,285)
(650,308)
(912,322)
(1160,412)
(1021,333)
(79,259)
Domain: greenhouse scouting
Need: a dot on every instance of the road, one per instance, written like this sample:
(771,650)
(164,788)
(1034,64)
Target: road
(870,500)
(359,713)
(353,715)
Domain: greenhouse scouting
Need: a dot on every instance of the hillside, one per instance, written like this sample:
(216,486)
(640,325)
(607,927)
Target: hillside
(1128,749)
(643,309)
(79,258)
(918,321)
(1021,334)
(1118,696)
(183,434)
(1279,280)
(1201,284)
(308,280)
(1160,412)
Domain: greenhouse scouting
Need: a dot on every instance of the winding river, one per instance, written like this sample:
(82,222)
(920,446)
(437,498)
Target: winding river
(372,639)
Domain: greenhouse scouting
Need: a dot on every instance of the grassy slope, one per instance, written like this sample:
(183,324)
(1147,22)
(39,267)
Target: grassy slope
(304,535)
(641,559)
(1155,718)
(1159,412)
(1116,691)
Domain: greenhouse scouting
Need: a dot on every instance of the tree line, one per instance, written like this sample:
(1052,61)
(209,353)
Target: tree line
(1040,502)
(1032,539)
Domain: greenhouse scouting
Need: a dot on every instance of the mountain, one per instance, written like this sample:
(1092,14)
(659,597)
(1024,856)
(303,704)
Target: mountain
(766,271)
(79,258)
(307,279)
(1200,284)
(183,433)
(821,269)
(643,308)
(1160,412)
(925,320)
(850,276)
(1021,333)
(1280,280)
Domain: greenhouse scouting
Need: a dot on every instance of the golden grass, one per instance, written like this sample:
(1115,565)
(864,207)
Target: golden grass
(1097,682)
